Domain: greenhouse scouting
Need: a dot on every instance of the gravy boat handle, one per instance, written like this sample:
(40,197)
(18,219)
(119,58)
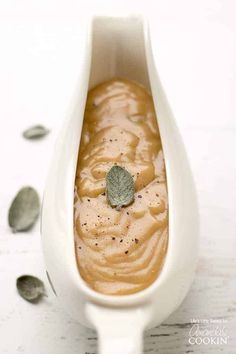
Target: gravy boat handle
(119,330)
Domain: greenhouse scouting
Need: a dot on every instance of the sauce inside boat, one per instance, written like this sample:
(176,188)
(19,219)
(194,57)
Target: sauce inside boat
(122,251)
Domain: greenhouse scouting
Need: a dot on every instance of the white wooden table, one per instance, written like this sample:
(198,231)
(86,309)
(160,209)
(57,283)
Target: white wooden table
(195,48)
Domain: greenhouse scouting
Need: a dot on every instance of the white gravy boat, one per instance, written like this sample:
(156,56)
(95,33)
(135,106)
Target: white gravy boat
(119,47)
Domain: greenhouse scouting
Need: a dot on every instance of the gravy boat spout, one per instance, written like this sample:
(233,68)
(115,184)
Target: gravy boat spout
(119,47)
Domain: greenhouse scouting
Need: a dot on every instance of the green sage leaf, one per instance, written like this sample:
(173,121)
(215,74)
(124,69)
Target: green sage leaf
(24,210)
(119,187)
(35,132)
(51,284)
(30,288)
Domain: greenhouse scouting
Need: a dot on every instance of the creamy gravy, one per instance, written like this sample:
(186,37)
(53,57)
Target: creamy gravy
(120,252)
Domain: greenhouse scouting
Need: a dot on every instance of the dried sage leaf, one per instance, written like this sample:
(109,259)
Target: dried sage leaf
(119,187)
(35,132)
(30,288)
(24,210)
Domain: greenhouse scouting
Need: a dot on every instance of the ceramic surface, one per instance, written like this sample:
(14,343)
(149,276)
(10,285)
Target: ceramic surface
(119,47)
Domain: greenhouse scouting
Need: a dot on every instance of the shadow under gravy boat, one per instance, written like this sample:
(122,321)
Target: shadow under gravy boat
(119,47)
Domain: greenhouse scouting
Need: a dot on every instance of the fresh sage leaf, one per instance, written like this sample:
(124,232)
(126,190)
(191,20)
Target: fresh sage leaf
(119,187)
(51,284)
(24,210)
(35,132)
(30,288)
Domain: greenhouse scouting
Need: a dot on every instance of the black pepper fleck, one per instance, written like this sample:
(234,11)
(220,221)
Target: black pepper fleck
(126,252)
